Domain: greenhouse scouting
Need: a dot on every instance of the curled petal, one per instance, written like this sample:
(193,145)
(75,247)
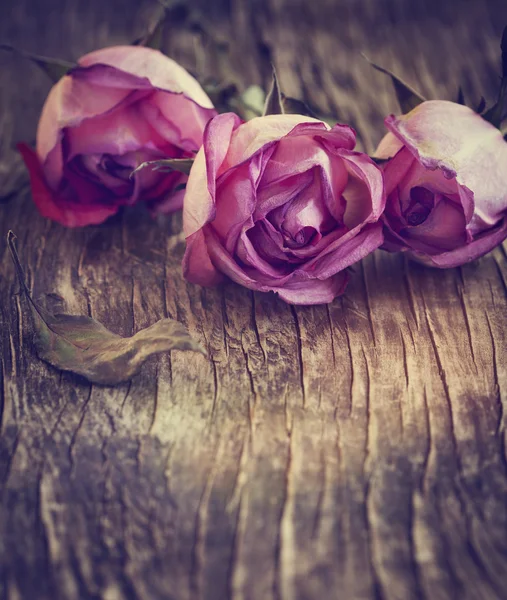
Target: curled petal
(452,137)
(50,205)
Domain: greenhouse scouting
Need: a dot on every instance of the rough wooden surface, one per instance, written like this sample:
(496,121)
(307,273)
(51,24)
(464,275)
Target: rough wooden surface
(354,451)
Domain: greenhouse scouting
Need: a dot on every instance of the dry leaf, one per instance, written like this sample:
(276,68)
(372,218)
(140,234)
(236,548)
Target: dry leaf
(54,68)
(408,98)
(82,345)
(274,104)
(183,165)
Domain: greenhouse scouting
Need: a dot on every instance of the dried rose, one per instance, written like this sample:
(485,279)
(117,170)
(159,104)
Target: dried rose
(446,184)
(281,203)
(121,106)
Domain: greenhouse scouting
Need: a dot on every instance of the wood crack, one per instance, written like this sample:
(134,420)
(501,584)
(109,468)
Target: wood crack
(256,328)
(300,353)
(441,372)
(467,325)
(367,301)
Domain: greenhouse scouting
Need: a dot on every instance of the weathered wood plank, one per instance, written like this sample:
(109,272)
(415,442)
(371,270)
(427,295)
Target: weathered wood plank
(351,451)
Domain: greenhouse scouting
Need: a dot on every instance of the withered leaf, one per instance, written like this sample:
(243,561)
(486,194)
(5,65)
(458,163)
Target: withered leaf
(84,346)
(274,104)
(183,165)
(54,68)
(293,106)
(407,97)
(497,114)
(481,106)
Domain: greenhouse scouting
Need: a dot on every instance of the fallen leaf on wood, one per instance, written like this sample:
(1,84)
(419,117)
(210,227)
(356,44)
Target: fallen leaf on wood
(84,346)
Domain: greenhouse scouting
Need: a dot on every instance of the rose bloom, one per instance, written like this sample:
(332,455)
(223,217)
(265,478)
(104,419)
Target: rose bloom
(446,184)
(281,203)
(119,107)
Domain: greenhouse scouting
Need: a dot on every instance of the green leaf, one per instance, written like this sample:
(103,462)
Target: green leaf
(407,97)
(273,104)
(84,346)
(183,165)
(54,68)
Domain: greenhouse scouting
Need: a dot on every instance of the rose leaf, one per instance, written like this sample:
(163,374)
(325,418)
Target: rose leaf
(498,112)
(293,106)
(54,68)
(183,165)
(407,97)
(84,346)
(274,103)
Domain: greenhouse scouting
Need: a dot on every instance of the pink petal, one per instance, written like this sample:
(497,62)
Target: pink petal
(199,203)
(235,201)
(50,205)
(483,244)
(372,203)
(444,228)
(457,140)
(315,291)
(389,146)
(257,133)
(197,266)
(161,71)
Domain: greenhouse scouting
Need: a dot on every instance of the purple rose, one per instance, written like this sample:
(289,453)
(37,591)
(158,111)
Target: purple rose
(446,184)
(281,203)
(121,106)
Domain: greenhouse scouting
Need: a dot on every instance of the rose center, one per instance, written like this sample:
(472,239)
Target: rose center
(421,204)
(109,165)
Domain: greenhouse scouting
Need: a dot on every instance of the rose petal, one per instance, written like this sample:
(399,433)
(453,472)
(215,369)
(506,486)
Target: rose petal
(314,292)
(373,203)
(346,250)
(199,203)
(465,254)
(258,132)
(444,228)
(49,204)
(457,140)
(147,63)
(118,132)
(197,266)
(389,146)
(69,102)
(238,203)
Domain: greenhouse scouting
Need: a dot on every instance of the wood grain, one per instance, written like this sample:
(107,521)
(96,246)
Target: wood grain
(351,451)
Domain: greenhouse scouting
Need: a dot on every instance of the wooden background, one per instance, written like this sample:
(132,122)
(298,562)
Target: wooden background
(349,451)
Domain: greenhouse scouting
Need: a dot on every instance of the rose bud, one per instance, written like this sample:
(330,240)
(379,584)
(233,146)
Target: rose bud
(446,184)
(281,203)
(121,106)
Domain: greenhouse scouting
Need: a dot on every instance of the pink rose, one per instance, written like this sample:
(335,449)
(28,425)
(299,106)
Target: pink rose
(446,185)
(120,107)
(281,203)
